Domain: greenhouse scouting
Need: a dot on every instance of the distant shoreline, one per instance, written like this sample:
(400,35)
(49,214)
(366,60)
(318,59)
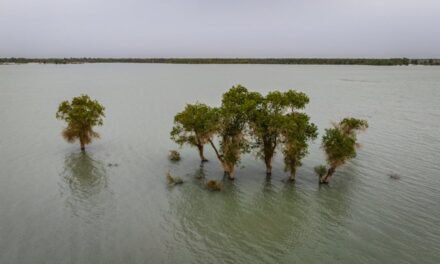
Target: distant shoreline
(282,61)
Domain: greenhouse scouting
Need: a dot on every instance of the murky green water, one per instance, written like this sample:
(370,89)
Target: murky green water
(60,206)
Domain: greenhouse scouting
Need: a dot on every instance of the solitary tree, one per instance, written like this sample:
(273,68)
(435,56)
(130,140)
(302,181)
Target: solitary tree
(233,119)
(81,115)
(297,132)
(195,126)
(268,121)
(339,144)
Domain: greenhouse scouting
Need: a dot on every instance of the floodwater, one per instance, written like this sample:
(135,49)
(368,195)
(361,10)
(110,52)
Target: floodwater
(112,204)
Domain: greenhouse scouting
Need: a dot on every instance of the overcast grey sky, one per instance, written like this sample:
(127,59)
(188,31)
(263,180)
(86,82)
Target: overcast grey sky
(220,28)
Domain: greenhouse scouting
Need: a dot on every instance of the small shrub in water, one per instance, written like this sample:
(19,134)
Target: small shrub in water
(320,170)
(173,180)
(174,155)
(214,185)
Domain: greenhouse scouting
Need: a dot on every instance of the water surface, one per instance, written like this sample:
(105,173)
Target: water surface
(112,204)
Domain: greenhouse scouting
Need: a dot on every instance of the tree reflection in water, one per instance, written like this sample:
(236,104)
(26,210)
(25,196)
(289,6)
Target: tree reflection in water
(275,223)
(85,185)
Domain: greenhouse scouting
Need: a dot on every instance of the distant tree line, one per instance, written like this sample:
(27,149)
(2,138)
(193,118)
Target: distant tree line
(425,61)
(330,61)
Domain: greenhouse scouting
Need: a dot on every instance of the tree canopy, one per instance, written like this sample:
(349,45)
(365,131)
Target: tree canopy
(275,120)
(248,121)
(237,104)
(195,126)
(297,132)
(81,115)
(340,142)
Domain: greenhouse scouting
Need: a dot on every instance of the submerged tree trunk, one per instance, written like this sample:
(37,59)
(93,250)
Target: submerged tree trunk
(292,174)
(268,162)
(201,154)
(269,151)
(326,178)
(229,170)
(83,146)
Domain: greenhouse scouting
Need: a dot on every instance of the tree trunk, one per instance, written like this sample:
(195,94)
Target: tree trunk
(81,142)
(292,174)
(268,162)
(220,158)
(227,167)
(326,178)
(229,170)
(201,154)
(269,150)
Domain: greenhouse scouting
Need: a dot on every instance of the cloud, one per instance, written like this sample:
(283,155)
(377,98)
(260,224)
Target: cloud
(219,28)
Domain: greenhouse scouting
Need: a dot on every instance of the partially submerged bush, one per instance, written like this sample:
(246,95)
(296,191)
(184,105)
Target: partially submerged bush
(320,170)
(173,180)
(214,185)
(174,155)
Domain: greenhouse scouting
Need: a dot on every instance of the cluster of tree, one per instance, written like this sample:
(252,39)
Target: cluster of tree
(247,121)
(333,61)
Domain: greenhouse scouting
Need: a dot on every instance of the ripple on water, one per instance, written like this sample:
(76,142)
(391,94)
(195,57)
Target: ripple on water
(62,207)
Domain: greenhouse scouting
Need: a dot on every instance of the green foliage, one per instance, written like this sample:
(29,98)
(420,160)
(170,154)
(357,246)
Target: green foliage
(351,125)
(276,120)
(320,170)
(295,100)
(339,142)
(174,155)
(336,61)
(265,125)
(297,132)
(195,125)
(81,115)
(237,104)
(338,146)
(247,120)
(243,114)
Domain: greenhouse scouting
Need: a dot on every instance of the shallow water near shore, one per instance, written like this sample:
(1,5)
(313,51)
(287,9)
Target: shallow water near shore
(112,204)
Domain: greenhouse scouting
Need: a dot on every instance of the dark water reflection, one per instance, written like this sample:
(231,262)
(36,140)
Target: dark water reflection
(273,223)
(85,185)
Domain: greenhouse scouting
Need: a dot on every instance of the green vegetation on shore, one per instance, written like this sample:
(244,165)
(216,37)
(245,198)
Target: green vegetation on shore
(323,61)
